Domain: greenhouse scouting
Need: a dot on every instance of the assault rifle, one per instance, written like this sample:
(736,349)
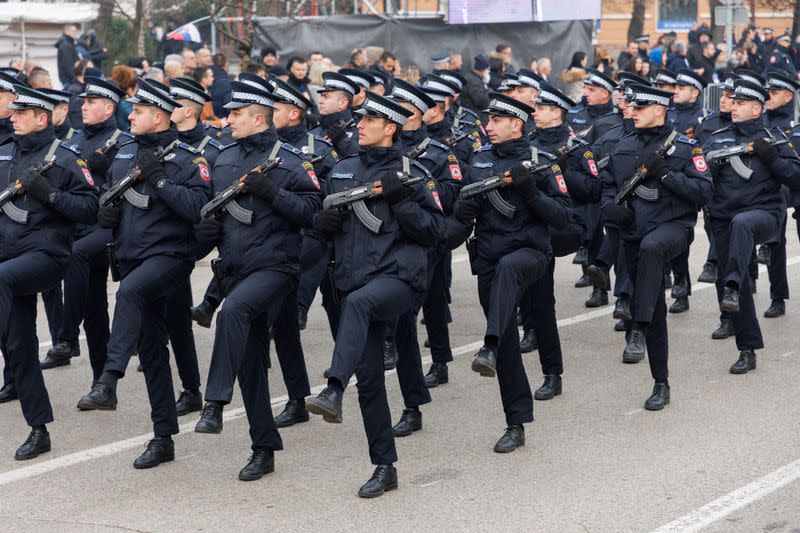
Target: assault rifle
(20,216)
(124,187)
(489,187)
(640,175)
(733,153)
(224,200)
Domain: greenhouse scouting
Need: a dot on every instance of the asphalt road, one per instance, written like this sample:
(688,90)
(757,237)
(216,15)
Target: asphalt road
(724,455)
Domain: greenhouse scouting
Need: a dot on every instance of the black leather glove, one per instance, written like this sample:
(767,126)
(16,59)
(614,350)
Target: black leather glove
(260,185)
(208,231)
(618,214)
(36,185)
(152,171)
(98,164)
(393,190)
(523,182)
(336,132)
(109,216)
(467,210)
(328,221)
(765,151)
(656,167)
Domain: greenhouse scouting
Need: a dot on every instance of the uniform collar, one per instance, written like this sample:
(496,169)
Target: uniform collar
(62,130)
(373,155)
(599,110)
(154,140)
(749,128)
(295,135)
(410,139)
(194,135)
(262,140)
(6,128)
(515,147)
(725,118)
(92,130)
(329,120)
(555,135)
(35,141)
(649,134)
(439,129)
(687,107)
(627,125)
(782,112)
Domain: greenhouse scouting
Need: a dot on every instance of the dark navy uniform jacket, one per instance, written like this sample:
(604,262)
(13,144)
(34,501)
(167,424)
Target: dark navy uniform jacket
(349,144)
(6,129)
(440,163)
(224,136)
(199,139)
(463,149)
(686,118)
(50,228)
(782,117)
(677,198)
(602,149)
(467,120)
(91,138)
(272,241)
(780,58)
(590,122)
(299,137)
(579,171)
(709,125)
(410,227)
(734,194)
(498,236)
(794,138)
(167,227)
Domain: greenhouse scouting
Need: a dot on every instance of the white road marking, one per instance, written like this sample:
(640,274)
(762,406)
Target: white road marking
(733,501)
(105,450)
(634,412)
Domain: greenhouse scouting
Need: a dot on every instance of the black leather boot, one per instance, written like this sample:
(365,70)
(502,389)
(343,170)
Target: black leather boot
(485,362)
(410,421)
(724,330)
(437,375)
(383,479)
(159,450)
(37,443)
(550,388)
(528,342)
(210,419)
(745,363)
(659,398)
(260,463)
(598,298)
(294,413)
(513,438)
(203,314)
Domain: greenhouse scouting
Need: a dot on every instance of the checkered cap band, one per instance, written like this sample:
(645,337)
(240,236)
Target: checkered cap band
(155,99)
(514,110)
(410,97)
(749,78)
(665,79)
(106,93)
(749,94)
(650,99)
(591,79)
(439,86)
(775,83)
(451,79)
(293,99)
(530,82)
(253,98)
(389,113)
(189,95)
(364,82)
(338,85)
(6,86)
(546,97)
(27,100)
(683,78)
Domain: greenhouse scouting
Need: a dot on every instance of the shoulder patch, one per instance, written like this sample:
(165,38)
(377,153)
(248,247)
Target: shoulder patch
(697,150)
(309,168)
(451,158)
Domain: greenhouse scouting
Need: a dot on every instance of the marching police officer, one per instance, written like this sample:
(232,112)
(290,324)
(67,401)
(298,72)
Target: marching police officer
(155,246)
(192,97)
(463,136)
(780,116)
(259,252)
(442,165)
(291,108)
(336,121)
(381,275)
(509,254)
(53,192)
(780,56)
(85,294)
(656,220)
(685,117)
(461,118)
(611,252)
(576,160)
(746,209)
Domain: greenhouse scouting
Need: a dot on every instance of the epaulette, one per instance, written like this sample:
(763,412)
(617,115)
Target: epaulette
(71,147)
(552,157)
(215,143)
(685,139)
(577,140)
(322,140)
(724,128)
(470,112)
(484,148)
(438,144)
(228,146)
(576,109)
(421,167)
(7,140)
(290,148)
(709,117)
(189,148)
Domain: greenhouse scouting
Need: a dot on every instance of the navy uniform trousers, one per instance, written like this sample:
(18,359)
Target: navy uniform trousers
(21,279)
(181,337)
(499,290)
(289,348)
(53,301)
(540,304)
(612,254)
(646,261)
(736,240)
(778,280)
(240,349)
(314,258)
(86,297)
(359,350)
(436,309)
(143,303)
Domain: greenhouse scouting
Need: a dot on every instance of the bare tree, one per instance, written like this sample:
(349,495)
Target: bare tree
(138,22)
(102,24)
(636,25)
(782,6)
